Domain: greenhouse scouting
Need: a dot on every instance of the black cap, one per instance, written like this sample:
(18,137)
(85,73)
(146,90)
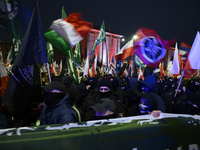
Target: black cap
(103,105)
(54,85)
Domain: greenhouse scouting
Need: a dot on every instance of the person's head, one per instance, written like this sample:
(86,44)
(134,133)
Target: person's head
(193,104)
(144,88)
(91,84)
(105,88)
(148,102)
(115,83)
(53,93)
(149,85)
(67,81)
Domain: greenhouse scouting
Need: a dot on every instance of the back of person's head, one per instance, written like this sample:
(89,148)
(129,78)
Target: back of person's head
(115,83)
(67,81)
(92,81)
(149,82)
(193,104)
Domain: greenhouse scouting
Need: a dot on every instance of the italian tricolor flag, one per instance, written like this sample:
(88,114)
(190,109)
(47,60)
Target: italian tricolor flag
(65,33)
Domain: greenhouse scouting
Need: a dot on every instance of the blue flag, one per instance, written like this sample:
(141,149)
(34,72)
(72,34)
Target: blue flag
(18,16)
(25,73)
(32,50)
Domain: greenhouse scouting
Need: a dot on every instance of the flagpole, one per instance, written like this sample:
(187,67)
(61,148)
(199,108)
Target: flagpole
(77,65)
(9,30)
(48,72)
(179,83)
(107,57)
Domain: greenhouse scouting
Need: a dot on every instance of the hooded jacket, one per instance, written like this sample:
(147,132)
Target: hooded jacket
(151,83)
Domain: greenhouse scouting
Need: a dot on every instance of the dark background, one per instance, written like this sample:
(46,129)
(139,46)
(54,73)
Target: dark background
(169,18)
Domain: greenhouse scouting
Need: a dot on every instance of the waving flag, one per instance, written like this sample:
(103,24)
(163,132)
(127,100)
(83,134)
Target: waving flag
(86,71)
(150,47)
(18,17)
(140,75)
(175,69)
(4,80)
(32,50)
(193,61)
(94,66)
(185,47)
(138,62)
(77,54)
(50,52)
(101,37)
(112,67)
(67,32)
(25,72)
(126,51)
(64,15)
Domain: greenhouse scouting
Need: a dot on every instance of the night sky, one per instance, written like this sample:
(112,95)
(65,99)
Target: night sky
(169,18)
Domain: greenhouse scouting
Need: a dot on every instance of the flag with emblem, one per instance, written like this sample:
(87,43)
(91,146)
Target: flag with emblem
(101,37)
(25,72)
(150,47)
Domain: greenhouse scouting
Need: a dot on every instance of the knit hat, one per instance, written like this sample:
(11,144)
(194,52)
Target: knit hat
(105,82)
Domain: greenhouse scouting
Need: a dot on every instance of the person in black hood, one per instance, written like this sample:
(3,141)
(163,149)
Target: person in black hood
(105,90)
(58,109)
(149,103)
(81,93)
(192,105)
(117,90)
(150,85)
(70,89)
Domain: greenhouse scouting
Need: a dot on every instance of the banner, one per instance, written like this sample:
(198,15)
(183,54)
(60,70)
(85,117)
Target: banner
(172,131)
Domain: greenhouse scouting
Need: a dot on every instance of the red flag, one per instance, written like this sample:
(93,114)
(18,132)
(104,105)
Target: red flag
(150,47)
(126,51)
(94,66)
(3,80)
(192,60)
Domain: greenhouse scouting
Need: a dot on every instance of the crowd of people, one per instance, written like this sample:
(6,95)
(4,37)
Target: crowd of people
(107,96)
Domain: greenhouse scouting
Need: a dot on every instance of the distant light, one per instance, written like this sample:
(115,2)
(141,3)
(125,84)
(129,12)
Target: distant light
(135,36)
(123,40)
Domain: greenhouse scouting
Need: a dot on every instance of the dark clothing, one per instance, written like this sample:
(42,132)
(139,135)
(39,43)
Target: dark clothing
(152,100)
(151,83)
(3,121)
(133,83)
(60,113)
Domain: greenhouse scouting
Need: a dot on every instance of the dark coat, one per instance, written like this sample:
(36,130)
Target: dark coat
(61,113)
(151,83)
